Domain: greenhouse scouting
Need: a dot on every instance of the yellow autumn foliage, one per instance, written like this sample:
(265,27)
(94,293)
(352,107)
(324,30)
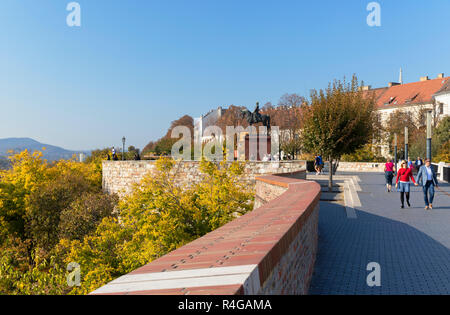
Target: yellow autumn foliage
(156,218)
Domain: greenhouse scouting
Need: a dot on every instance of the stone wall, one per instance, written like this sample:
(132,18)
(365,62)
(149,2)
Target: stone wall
(265,192)
(271,250)
(443,171)
(120,176)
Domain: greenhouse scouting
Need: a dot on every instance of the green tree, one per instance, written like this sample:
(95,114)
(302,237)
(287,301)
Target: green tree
(98,155)
(396,123)
(338,121)
(442,137)
(46,205)
(442,132)
(164,146)
(365,154)
(83,215)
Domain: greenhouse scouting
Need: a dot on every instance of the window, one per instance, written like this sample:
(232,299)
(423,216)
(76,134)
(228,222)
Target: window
(391,100)
(412,98)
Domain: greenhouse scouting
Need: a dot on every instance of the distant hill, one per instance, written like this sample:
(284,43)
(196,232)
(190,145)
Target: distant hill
(4,163)
(52,153)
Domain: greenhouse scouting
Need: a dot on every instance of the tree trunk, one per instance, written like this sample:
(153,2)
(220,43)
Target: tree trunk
(330,181)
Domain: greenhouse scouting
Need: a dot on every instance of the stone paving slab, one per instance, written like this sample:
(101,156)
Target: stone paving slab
(411,245)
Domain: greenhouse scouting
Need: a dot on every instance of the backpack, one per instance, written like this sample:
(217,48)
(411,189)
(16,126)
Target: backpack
(320,160)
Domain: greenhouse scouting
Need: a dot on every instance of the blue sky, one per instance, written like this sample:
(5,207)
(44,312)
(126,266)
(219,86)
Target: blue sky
(134,66)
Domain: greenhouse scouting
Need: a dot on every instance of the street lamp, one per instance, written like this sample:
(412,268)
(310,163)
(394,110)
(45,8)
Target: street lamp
(406,143)
(123,150)
(429,133)
(395,152)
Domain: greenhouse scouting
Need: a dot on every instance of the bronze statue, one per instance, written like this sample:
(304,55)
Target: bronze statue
(256,117)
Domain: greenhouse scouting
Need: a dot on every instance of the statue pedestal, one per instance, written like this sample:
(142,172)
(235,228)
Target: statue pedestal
(257,147)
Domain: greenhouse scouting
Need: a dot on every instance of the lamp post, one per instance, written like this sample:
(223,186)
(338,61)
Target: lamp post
(123,149)
(395,152)
(429,134)
(406,143)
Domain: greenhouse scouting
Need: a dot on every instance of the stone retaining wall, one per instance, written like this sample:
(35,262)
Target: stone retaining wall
(361,167)
(119,176)
(271,250)
(443,171)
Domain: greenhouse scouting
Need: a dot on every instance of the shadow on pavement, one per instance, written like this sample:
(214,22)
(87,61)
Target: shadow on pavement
(411,261)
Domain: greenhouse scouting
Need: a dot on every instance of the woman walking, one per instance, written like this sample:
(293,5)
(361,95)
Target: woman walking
(389,170)
(404,175)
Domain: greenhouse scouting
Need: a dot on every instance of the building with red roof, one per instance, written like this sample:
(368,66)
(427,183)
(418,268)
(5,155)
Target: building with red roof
(426,93)
(432,94)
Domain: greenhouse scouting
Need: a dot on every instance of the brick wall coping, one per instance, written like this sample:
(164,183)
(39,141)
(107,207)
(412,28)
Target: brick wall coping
(234,259)
(280,180)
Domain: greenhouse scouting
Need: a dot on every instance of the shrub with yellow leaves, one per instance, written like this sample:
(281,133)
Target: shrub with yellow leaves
(53,214)
(158,217)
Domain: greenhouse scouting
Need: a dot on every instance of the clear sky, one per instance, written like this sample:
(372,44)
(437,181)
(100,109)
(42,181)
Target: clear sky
(135,65)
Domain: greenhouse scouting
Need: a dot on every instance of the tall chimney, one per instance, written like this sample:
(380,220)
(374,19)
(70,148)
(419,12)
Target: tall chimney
(422,79)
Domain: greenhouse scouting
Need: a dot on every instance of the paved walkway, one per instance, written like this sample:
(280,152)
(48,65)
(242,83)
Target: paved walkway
(411,245)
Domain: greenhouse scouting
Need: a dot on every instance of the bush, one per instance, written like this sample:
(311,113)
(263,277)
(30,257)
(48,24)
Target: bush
(46,205)
(158,217)
(33,195)
(84,215)
(364,154)
(444,153)
(55,214)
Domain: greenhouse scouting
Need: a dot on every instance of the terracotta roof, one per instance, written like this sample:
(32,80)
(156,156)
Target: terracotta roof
(378,92)
(445,89)
(415,93)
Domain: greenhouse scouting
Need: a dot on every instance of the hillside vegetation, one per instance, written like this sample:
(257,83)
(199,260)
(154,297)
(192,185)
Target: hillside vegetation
(55,214)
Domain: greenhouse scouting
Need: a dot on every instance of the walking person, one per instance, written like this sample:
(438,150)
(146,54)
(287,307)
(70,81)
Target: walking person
(410,163)
(404,175)
(318,164)
(428,178)
(114,155)
(389,170)
(418,163)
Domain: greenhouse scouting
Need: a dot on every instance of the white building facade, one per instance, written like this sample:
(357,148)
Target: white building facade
(414,98)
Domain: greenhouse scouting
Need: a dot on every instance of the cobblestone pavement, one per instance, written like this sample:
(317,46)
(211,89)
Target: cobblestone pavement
(411,245)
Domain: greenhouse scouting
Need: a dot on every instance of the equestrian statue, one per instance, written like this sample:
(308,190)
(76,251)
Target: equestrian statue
(256,117)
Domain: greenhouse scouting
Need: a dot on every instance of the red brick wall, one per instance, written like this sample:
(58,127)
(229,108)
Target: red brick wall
(270,250)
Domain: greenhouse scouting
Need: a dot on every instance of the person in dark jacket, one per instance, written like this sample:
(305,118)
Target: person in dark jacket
(428,178)
(318,164)
(418,163)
